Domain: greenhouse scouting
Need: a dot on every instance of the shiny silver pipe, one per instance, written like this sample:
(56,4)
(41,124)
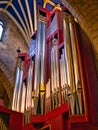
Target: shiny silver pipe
(20,88)
(23,98)
(16,87)
(17,84)
(37,68)
(65,76)
(57,75)
(64,67)
(37,61)
(42,78)
(29,87)
(63,79)
(48,97)
(68,55)
(52,78)
(76,69)
(43,48)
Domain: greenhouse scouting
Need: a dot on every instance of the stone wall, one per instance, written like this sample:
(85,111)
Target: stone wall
(12,40)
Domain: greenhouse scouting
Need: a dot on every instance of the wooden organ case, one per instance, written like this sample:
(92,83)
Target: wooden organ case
(50,88)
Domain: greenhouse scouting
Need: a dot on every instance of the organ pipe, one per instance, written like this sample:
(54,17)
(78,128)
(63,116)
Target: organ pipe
(55,75)
(23,98)
(68,53)
(76,67)
(39,81)
(20,88)
(16,86)
(37,68)
(29,87)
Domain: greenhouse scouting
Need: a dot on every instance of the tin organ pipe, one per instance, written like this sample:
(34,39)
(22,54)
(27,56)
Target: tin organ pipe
(55,79)
(42,78)
(29,87)
(23,98)
(64,67)
(52,77)
(63,77)
(43,53)
(55,75)
(76,68)
(70,74)
(52,81)
(37,68)
(14,103)
(48,89)
(20,88)
(62,83)
(39,87)
(53,69)
(48,97)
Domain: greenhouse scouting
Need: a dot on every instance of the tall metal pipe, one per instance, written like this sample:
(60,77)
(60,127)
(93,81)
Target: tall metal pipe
(23,98)
(37,69)
(29,87)
(63,77)
(57,74)
(16,86)
(52,78)
(20,88)
(42,78)
(68,53)
(76,68)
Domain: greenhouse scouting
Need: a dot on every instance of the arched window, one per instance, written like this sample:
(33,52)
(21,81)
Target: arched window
(1,29)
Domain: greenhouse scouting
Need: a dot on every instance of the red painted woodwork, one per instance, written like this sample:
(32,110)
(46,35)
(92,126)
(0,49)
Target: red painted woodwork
(26,58)
(57,119)
(16,119)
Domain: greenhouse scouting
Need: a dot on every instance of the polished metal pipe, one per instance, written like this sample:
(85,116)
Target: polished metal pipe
(68,55)
(29,87)
(16,87)
(42,78)
(57,74)
(23,98)
(76,69)
(20,88)
(37,68)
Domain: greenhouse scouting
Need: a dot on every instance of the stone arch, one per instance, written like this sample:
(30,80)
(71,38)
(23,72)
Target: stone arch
(7,81)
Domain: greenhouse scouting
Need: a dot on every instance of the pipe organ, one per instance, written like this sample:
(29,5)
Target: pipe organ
(54,77)
(55,41)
